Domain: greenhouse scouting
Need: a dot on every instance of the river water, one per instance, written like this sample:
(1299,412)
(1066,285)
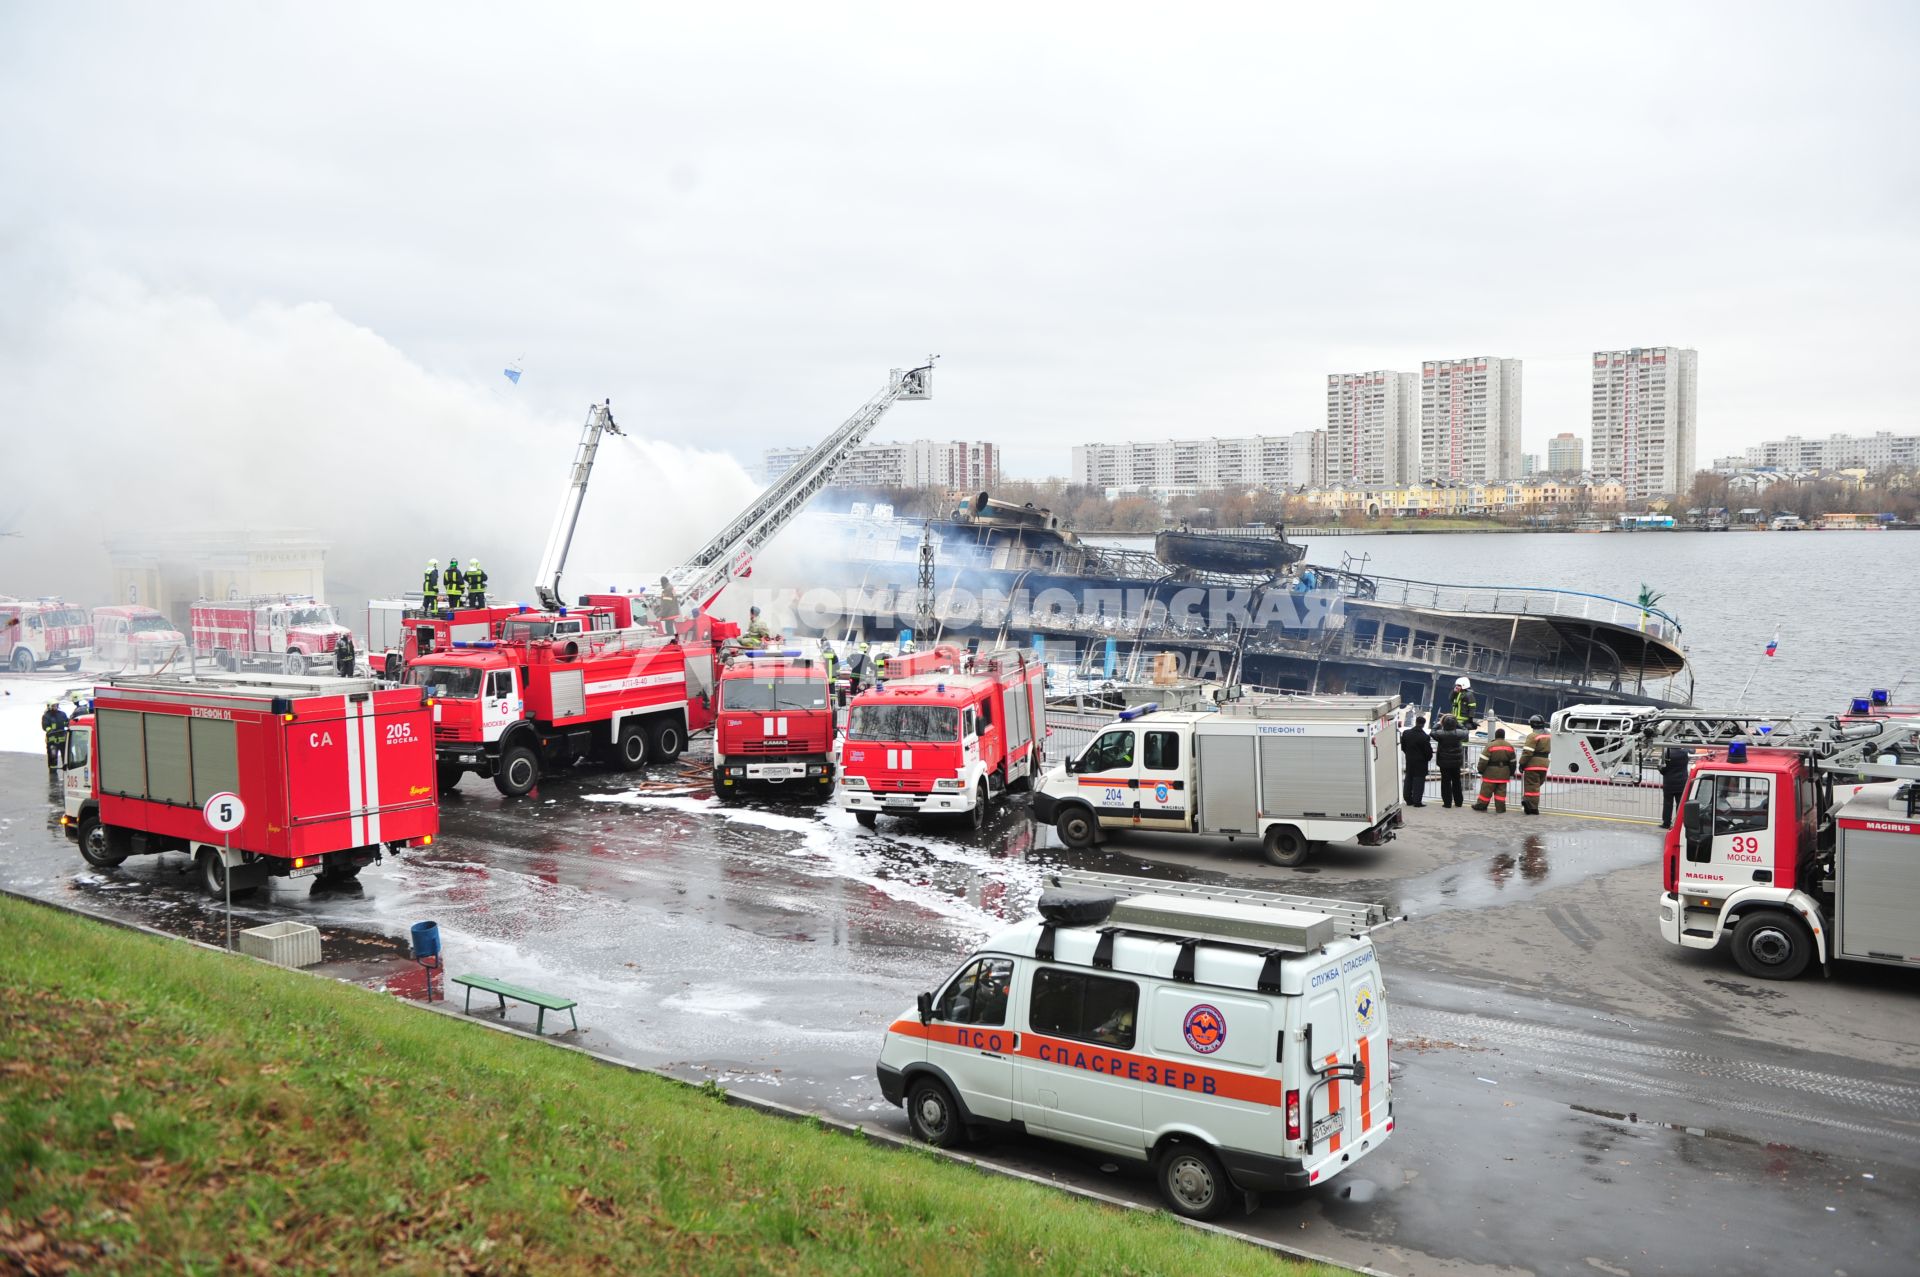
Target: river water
(1846,605)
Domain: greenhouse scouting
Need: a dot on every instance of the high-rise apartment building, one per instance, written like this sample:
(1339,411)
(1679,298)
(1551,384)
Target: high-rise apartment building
(1470,420)
(972,465)
(1185,466)
(1645,418)
(1880,451)
(1566,454)
(1370,428)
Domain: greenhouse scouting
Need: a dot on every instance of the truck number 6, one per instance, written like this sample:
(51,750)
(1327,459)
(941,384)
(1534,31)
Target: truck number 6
(399,732)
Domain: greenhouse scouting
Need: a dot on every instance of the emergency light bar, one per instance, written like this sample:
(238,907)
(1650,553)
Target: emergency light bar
(1881,696)
(1128,715)
(785,653)
(1861,704)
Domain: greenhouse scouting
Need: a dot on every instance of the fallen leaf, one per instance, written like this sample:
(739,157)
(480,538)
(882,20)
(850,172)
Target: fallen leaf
(121,1122)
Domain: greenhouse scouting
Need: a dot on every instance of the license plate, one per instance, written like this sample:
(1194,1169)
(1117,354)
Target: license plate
(775,771)
(307,872)
(894,800)
(1326,1126)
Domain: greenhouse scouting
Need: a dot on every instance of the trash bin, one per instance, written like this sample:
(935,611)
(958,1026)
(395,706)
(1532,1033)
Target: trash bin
(426,940)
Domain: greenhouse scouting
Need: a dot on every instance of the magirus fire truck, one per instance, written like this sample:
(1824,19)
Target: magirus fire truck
(1798,841)
(285,632)
(41,632)
(332,772)
(945,743)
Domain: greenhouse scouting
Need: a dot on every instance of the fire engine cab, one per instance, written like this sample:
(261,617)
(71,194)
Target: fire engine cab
(774,726)
(945,744)
(331,772)
(285,632)
(40,632)
(1230,1039)
(137,637)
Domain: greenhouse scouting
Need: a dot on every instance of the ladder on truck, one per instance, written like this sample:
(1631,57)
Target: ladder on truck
(546,581)
(1354,917)
(1852,747)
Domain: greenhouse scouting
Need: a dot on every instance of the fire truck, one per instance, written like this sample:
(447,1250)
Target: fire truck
(1797,841)
(332,773)
(135,637)
(285,632)
(945,743)
(774,726)
(39,632)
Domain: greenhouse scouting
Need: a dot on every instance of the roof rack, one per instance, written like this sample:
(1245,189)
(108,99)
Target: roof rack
(1354,917)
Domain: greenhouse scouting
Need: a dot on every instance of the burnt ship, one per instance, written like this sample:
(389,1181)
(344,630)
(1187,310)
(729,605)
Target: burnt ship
(1240,605)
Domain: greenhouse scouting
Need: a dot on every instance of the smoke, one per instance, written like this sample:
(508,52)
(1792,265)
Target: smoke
(131,410)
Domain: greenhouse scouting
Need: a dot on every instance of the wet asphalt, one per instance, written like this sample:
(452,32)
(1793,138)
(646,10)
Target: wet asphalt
(1571,1095)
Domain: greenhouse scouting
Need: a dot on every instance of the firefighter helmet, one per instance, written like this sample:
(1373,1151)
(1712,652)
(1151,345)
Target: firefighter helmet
(1536,722)
(1463,684)
(433,563)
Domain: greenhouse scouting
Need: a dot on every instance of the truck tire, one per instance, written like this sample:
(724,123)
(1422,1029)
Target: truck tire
(101,846)
(1771,945)
(519,771)
(1077,827)
(630,747)
(334,875)
(1285,847)
(213,874)
(933,1115)
(867,819)
(23,661)
(73,666)
(977,818)
(448,778)
(1193,1182)
(667,741)
(295,664)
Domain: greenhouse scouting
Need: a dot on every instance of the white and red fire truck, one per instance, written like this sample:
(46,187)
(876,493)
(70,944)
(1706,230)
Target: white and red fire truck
(1798,842)
(331,773)
(40,632)
(945,743)
(137,638)
(774,726)
(284,632)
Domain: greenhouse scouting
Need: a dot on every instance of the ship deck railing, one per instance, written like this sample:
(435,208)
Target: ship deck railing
(1527,600)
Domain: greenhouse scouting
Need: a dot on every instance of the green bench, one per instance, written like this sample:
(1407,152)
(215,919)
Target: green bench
(532,997)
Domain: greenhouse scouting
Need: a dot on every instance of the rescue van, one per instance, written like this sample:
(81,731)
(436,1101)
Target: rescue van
(1234,1041)
(1293,773)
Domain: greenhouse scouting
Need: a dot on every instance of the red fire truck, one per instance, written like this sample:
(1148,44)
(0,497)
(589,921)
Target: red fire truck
(545,694)
(285,632)
(945,744)
(332,772)
(1788,847)
(37,632)
(774,726)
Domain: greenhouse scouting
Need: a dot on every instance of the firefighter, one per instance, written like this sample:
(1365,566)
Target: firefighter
(343,656)
(880,668)
(430,587)
(1450,754)
(456,583)
(53,725)
(858,664)
(476,584)
(1533,764)
(1418,747)
(1465,710)
(667,605)
(1496,769)
(757,635)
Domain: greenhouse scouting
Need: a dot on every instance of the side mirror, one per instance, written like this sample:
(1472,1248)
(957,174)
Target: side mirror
(1693,819)
(1073,765)
(926,1007)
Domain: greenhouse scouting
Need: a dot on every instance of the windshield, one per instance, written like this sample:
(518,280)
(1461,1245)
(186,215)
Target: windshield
(140,624)
(457,682)
(313,616)
(525,631)
(904,723)
(773,693)
(68,617)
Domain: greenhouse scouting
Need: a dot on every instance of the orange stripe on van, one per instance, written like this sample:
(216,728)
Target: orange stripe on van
(1333,1099)
(1366,1084)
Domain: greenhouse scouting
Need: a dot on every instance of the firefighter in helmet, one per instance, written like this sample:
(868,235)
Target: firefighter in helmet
(1496,769)
(456,584)
(757,635)
(343,656)
(430,587)
(1465,708)
(53,725)
(476,584)
(666,604)
(1533,764)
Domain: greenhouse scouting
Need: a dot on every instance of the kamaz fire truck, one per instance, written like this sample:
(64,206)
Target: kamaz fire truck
(40,632)
(945,743)
(137,638)
(284,632)
(332,772)
(774,726)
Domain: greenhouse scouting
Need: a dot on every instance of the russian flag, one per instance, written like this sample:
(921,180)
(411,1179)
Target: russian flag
(1773,645)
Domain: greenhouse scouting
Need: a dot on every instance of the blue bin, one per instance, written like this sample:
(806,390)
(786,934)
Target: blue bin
(426,940)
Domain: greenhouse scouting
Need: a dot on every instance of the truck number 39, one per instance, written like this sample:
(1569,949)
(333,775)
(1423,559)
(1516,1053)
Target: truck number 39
(399,732)
(1746,846)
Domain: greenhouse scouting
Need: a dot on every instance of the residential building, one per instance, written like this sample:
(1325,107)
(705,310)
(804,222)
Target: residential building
(1470,420)
(1370,427)
(1529,464)
(1566,453)
(973,465)
(1541,496)
(1881,451)
(1182,467)
(1645,418)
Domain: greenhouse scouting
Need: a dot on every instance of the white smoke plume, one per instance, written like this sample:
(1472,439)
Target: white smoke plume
(127,408)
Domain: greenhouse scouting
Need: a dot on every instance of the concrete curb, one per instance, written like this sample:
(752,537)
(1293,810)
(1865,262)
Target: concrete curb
(874,1135)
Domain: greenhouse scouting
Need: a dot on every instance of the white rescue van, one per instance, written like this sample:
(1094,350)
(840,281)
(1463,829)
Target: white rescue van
(1235,1041)
(1293,773)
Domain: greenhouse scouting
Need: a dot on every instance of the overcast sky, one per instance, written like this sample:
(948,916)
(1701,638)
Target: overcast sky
(1112,222)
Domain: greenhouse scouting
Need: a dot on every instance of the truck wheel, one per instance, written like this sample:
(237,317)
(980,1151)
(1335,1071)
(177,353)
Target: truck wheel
(867,819)
(448,778)
(668,741)
(295,663)
(23,662)
(1285,847)
(213,874)
(978,816)
(630,750)
(933,1115)
(519,771)
(73,666)
(335,874)
(101,847)
(1772,946)
(1076,827)
(1193,1181)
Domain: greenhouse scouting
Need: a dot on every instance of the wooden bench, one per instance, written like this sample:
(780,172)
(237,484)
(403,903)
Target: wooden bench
(532,997)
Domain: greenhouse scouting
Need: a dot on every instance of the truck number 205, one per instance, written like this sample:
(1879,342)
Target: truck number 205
(399,732)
